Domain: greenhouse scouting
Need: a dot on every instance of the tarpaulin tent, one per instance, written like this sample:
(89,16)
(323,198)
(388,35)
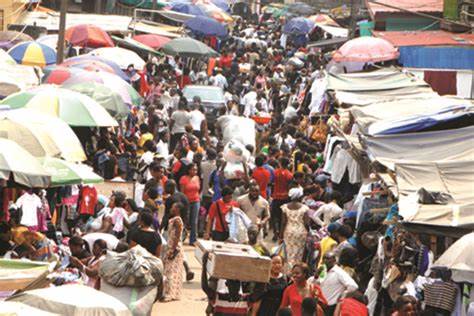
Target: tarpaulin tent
(455,178)
(362,98)
(365,116)
(449,118)
(446,145)
(384,79)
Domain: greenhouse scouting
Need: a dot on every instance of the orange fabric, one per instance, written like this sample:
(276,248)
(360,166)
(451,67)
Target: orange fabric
(210,66)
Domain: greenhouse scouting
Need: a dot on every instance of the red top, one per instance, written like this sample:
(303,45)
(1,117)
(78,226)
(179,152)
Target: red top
(263,177)
(183,81)
(213,216)
(225,61)
(281,186)
(190,187)
(352,307)
(292,298)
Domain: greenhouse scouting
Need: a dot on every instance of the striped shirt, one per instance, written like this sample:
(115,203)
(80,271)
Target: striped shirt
(441,295)
(224,306)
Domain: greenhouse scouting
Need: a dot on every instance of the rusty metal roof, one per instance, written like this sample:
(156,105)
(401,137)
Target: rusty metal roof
(426,38)
(411,5)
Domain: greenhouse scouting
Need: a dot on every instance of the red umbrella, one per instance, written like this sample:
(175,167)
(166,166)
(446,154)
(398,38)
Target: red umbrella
(58,74)
(366,49)
(87,35)
(152,40)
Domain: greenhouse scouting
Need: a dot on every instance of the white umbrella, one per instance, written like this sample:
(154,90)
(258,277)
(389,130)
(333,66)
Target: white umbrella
(25,169)
(73,300)
(41,134)
(121,56)
(49,40)
(459,258)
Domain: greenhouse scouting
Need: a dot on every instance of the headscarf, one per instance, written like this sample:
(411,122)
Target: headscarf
(295,193)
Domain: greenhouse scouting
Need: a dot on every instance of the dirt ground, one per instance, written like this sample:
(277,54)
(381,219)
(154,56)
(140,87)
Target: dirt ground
(193,301)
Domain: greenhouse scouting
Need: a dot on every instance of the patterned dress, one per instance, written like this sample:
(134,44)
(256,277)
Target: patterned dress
(174,269)
(294,234)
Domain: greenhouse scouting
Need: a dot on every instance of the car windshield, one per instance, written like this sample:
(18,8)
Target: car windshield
(206,94)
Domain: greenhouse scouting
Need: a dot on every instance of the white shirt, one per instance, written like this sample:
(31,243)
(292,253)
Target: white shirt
(289,113)
(328,211)
(337,283)
(220,81)
(180,119)
(110,239)
(196,119)
(249,100)
(29,204)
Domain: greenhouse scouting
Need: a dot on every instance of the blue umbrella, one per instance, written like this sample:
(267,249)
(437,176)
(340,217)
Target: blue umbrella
(298,26)
(222,4)
(201,25)
(187,8)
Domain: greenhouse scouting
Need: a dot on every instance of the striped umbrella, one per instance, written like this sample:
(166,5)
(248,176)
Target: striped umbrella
(88,35)
(33,54)
(69,76)
(128,94)
(82,59)
(74,108)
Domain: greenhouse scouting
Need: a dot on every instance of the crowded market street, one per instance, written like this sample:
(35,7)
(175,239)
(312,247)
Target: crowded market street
(226,157)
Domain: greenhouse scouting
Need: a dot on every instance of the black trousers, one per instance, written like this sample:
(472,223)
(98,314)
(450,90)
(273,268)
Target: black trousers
(275,215)
(174,139)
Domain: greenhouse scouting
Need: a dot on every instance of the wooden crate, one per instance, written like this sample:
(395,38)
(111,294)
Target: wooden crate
(234,261)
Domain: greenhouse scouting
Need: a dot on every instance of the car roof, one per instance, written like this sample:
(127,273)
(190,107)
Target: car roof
(201,86)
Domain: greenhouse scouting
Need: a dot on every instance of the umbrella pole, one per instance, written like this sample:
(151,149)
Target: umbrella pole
(62,31)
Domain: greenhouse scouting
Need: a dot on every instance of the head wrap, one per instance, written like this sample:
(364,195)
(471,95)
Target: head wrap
(295,193)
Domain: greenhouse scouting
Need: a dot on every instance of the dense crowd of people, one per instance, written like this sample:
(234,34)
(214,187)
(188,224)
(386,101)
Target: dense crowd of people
(280,199)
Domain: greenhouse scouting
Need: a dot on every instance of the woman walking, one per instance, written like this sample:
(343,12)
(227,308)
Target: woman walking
(173,261)
(294,231)
(190,185)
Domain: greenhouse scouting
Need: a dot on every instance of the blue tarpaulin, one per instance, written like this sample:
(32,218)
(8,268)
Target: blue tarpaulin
(437,57)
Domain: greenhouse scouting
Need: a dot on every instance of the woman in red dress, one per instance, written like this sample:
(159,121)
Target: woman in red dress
(301,289)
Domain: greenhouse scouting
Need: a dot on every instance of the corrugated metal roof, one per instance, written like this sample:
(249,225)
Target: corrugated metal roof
(411,5)
(426,38)
(109,23)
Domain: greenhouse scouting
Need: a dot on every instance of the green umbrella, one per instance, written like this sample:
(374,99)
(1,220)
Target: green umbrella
(110,100)
(67,173)
(72,107)
(25,169)
(188,47)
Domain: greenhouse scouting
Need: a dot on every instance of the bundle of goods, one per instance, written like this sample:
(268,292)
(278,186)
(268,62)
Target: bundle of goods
(234,261)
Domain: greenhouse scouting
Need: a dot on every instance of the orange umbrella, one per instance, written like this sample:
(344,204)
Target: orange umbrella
(87,35)
(152,40)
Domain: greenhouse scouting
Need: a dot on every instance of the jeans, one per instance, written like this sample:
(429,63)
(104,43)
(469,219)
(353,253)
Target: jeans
(193,221)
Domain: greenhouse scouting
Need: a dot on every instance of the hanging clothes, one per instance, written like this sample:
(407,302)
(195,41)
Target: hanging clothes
(343,161)
(87,200)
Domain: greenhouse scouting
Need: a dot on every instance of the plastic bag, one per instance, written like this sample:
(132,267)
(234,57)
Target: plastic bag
(237,128)
(135,267)
(234,171)
(235,152)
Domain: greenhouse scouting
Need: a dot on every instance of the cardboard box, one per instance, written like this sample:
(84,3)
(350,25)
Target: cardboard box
(234,261)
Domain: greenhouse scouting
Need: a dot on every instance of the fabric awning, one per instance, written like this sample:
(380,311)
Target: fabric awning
(445,145)
(404,108)
(453,177)
(384,79)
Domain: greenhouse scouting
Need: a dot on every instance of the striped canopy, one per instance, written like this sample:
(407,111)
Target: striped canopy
(33,54)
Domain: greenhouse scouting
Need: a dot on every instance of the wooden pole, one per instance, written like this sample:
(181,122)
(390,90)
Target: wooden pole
(354,15)
(62,31)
